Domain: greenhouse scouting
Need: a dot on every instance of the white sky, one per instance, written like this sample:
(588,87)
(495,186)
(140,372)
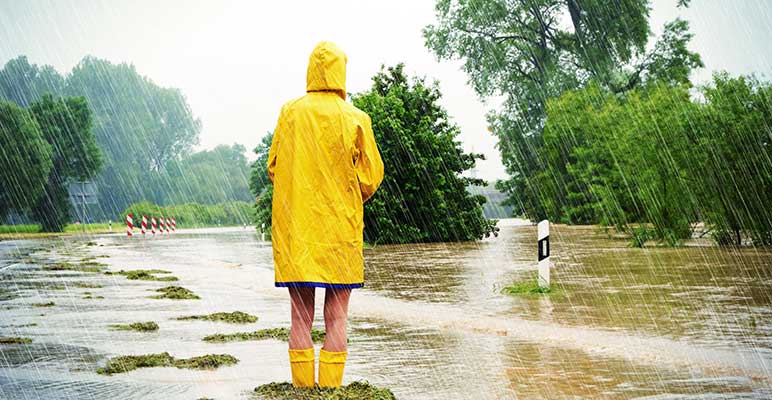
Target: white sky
(239,61)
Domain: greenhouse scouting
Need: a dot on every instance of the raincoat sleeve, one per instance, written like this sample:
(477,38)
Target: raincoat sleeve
(369,165)
(277,133)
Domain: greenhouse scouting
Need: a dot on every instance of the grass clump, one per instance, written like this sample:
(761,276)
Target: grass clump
(48,304)
(175,293)
(122,364)
(145,275)
(15,340)
(529,288)
(137,326)
(85,285)
(353,391)
(89,266)
(236,317)
(317,336)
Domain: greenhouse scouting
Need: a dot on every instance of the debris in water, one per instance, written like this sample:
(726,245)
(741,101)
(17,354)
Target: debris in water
(89,266)
(353,391)
(236,317)
(144,275)
(136,326)
(317,336)
(48,304)
(122,364)
(15,340)
(175,293)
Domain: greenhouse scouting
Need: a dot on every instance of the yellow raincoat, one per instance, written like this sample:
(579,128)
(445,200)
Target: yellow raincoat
(324,164)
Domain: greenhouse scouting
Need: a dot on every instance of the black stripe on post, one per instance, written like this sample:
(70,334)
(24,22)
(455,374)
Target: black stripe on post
(544,248)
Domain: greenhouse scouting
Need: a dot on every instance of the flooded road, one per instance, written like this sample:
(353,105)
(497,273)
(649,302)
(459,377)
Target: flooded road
(431,322)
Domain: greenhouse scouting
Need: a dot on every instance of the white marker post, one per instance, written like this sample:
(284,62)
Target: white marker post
(544,253)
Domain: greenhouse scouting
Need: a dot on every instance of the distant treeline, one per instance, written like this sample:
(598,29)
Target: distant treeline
(192,215)
(145,133)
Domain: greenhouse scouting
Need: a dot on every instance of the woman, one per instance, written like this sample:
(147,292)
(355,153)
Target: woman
(324,164)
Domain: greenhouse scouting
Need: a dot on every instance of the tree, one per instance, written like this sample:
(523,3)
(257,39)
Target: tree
(422,198)
(25,159)
(66,124)
(525,52)
(23,83)
(139,126)
(259,183)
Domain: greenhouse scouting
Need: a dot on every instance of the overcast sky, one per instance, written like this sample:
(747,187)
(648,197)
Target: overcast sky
(239,61)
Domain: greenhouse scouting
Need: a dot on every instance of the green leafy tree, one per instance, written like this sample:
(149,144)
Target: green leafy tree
(422,198)
(139,126)
(526,53)
(66,124)
(26,159)
(259,183)
(207,177)
(24,83)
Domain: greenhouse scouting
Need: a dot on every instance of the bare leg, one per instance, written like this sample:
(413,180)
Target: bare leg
(335,313)
(302,300)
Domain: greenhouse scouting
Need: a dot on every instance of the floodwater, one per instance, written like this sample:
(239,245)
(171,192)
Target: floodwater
(692,322)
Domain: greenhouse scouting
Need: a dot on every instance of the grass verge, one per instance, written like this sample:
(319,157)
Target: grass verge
(15,340)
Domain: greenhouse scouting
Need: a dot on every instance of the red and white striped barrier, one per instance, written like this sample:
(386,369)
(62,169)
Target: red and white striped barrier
(144,225)
(164,225)
(129,225)
(152,224)
(174,224)
(168,224)
(161,225)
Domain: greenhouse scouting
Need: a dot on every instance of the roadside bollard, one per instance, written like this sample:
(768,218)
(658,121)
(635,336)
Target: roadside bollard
(168,224)
(144,225)
(152,225)
(544,253)
(161,225)
(174,224)
(129,226)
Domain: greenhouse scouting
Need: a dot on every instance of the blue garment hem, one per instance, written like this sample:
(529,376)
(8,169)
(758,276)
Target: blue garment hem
(321,285)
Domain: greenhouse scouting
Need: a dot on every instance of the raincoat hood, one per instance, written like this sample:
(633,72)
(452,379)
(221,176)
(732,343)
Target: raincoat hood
(327,69)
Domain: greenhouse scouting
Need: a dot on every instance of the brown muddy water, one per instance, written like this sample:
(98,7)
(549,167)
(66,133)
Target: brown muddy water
(693,322)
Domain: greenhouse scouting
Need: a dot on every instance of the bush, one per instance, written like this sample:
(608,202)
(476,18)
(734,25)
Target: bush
(194,214)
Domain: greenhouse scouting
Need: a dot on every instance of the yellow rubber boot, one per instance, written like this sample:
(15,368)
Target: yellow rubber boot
(302,364)
(331,365)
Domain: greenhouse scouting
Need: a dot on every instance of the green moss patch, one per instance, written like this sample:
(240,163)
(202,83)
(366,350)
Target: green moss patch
(144,275)
(122,364)
(262,334)
(137,326)
(353,391)
(85,285)
(90,297)
(236,317)
(15,340)
(48,304)
(175,293)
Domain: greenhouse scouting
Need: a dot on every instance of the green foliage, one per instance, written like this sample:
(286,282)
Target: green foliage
(15,340)
(194,214)
(145,275)
(175,293)
(208,177)
(422,198)
(66,124)
(527,53)
(260,185)
(352,391)
(26,161)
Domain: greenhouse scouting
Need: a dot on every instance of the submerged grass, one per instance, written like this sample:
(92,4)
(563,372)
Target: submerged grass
(89,266)
(353,391)
(48,304)
(317,336)
(175,293)
(530,287)
(236,317)
(145,275)
(137,326)
(15,340)
(122,364)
